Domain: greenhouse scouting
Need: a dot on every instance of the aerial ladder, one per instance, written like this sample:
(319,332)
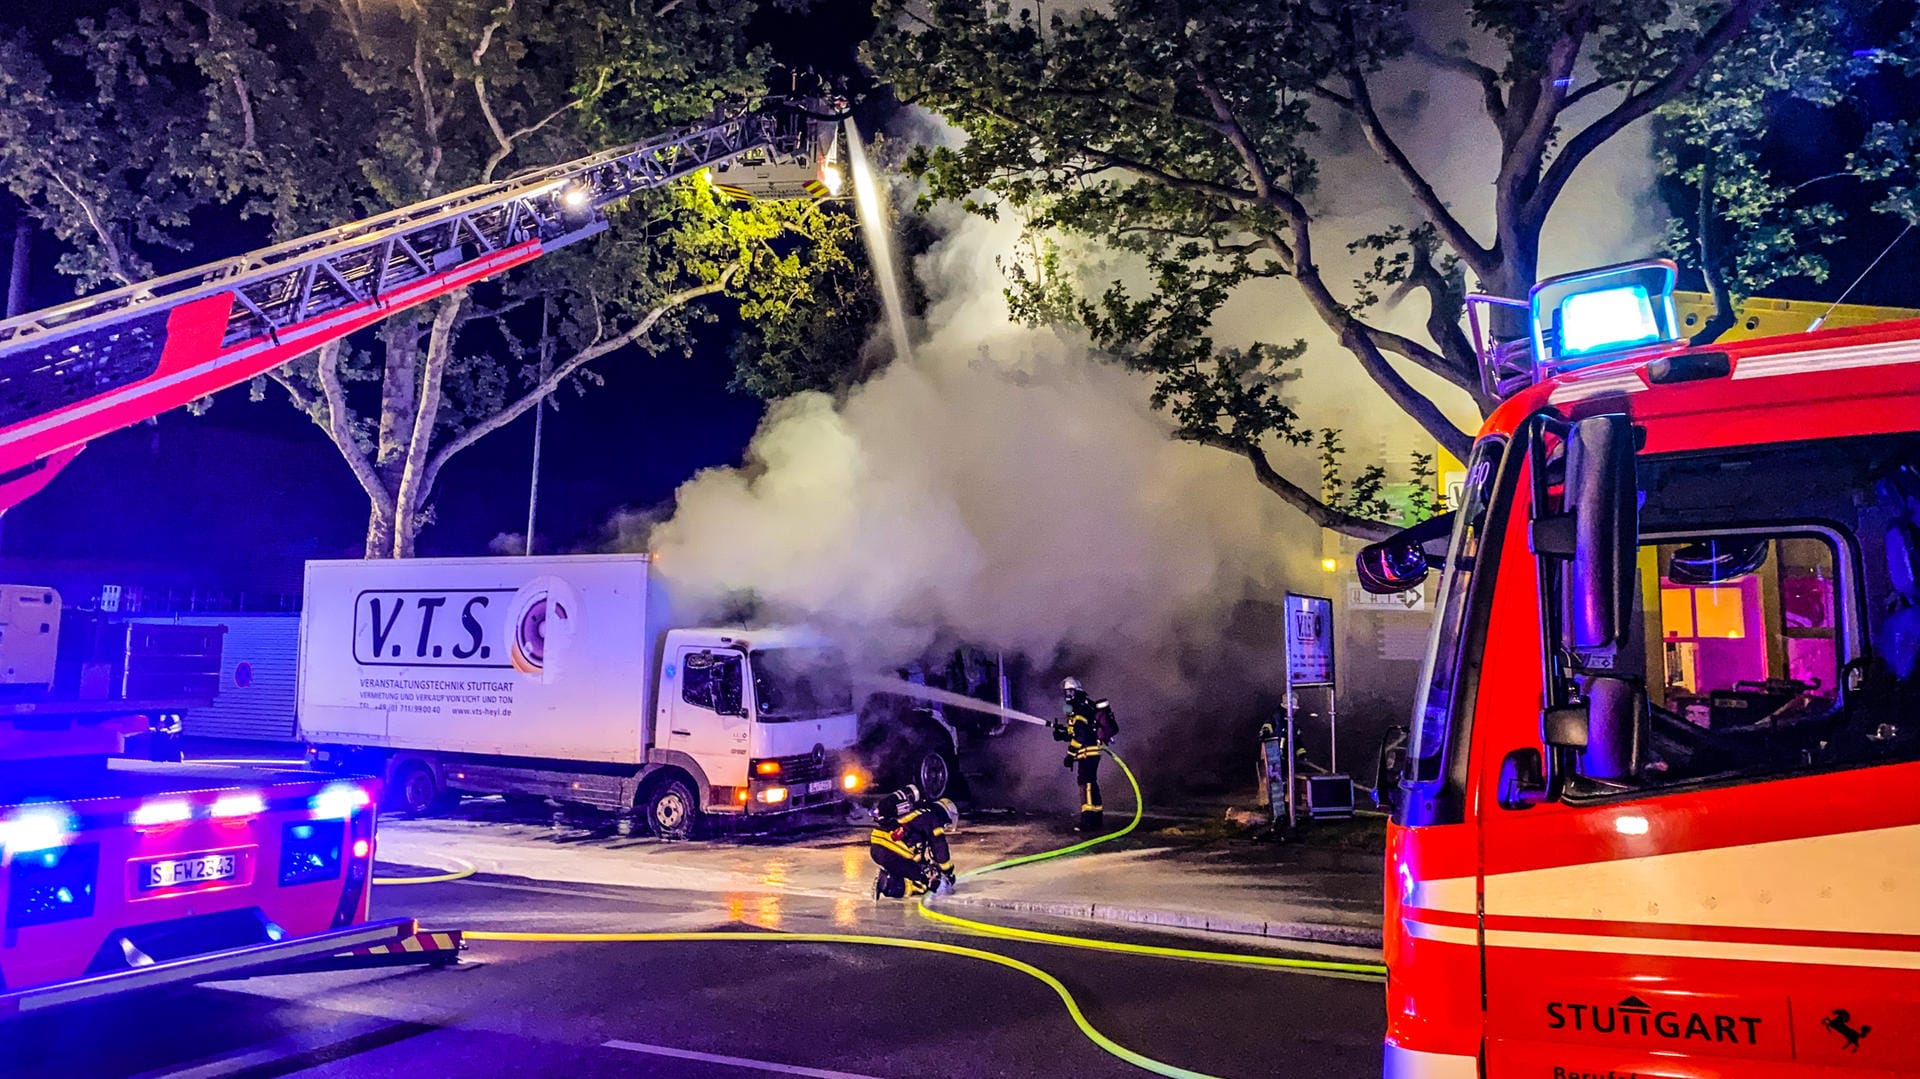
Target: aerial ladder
(119,874)
(76,371)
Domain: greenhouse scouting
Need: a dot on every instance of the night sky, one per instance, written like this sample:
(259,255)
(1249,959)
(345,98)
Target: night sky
(240,496)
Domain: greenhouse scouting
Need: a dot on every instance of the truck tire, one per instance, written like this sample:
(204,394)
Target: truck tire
(932,771)
(416,791)
(673,810)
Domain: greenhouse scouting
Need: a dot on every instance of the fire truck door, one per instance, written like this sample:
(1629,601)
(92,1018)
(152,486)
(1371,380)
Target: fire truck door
(1712,922)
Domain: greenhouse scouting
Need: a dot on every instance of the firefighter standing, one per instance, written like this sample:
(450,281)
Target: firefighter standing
(909,843)
(1088,725)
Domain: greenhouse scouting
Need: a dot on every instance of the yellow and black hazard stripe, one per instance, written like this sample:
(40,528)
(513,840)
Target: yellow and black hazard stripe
(448,941)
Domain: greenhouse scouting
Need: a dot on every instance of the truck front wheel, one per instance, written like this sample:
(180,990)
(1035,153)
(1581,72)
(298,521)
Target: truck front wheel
(673,812)
(416,791)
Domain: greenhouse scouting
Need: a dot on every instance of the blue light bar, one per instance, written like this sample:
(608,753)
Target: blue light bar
(1606,319)
(1582,318)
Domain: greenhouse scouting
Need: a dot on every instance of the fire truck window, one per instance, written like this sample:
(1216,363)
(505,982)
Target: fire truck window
(1743,643)
(1433,714)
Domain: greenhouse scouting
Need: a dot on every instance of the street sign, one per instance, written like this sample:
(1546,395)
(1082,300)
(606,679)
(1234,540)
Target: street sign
(1309,640)
(1413,599)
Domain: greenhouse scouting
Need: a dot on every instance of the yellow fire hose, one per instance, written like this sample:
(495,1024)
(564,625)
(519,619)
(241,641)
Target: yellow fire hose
(461,873)
(1322,968)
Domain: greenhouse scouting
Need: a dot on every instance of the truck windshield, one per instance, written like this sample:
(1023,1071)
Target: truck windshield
(801,683)
(1778,611)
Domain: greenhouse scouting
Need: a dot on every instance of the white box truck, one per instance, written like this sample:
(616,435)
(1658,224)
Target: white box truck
(558,678)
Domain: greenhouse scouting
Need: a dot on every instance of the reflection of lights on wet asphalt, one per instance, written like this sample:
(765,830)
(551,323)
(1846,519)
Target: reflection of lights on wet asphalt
(853,865)
(776,875)
(736,907)
(846,912)
(767,912)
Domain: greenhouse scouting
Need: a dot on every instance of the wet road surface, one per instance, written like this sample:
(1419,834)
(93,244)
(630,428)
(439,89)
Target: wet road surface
(716,1009)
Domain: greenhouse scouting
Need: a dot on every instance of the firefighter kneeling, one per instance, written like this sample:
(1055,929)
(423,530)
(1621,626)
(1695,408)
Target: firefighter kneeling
(909,844)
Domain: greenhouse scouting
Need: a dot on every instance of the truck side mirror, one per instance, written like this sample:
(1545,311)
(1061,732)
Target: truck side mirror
(1619,731)
(1400,562)
(1602,500)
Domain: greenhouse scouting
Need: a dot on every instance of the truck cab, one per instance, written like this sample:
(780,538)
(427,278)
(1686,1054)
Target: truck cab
(766,714)
(1654,815)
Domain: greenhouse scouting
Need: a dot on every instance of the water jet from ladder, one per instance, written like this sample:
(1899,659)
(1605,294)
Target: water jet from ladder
(876,227)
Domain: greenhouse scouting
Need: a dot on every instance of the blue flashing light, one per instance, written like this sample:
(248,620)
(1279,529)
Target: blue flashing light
(1583,318)
(339,801)
(36,828)
(1606,319)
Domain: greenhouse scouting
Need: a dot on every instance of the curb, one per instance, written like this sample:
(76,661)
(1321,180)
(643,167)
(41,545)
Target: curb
(1314,932)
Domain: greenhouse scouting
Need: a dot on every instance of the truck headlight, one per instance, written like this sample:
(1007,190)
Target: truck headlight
(773,796)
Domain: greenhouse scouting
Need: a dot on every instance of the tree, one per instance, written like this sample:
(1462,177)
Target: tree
(1743,225)
(321,111)
(1188,133)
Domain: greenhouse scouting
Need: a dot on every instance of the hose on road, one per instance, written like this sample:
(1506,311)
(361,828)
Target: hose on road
(1079,1017)
(1324,968)
(1328,968)
(463,872)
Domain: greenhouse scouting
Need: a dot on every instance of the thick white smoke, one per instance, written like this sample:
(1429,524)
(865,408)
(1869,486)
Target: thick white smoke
(1006,488)
(1003,486)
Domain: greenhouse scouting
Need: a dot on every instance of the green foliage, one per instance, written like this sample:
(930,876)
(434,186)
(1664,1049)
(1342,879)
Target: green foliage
(1740,224)
(307,113)
(1187,136)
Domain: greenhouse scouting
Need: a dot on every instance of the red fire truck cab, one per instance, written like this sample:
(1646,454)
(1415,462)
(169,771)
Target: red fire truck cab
(1657,814)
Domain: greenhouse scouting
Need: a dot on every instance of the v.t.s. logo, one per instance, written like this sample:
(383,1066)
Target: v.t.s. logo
(430,628)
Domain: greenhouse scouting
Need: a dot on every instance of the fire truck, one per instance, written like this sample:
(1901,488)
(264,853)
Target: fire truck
(1654,816)
(119,874)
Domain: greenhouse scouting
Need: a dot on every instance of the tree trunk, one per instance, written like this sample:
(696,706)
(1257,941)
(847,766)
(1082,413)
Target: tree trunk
(410,493)
(399,397)
(379,534)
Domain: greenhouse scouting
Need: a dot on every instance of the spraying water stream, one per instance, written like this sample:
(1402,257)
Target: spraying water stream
(869,198)
(946,697)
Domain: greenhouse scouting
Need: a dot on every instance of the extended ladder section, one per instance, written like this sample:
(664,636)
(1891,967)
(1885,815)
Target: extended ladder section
(77,371)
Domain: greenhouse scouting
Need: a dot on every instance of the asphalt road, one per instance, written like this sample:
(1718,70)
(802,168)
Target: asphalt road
(712,1009)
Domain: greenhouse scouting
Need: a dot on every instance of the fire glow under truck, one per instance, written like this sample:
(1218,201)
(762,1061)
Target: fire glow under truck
(1656,815)
(117,874)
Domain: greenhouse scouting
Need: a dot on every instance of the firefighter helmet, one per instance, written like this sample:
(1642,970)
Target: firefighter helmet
(953,813)
(1072,686)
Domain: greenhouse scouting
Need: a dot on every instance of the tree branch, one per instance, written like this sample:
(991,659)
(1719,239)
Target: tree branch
(1644,101)
(1477,257)
(1489,79)
(559,375)
(116,260)
(331,415)
(1357,338)
(1298,497)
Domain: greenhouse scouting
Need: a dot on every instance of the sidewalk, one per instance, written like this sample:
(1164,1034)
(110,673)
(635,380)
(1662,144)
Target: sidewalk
(1238,887)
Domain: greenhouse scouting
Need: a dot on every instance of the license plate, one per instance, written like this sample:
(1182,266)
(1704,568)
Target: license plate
(202,869)
(820,786)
